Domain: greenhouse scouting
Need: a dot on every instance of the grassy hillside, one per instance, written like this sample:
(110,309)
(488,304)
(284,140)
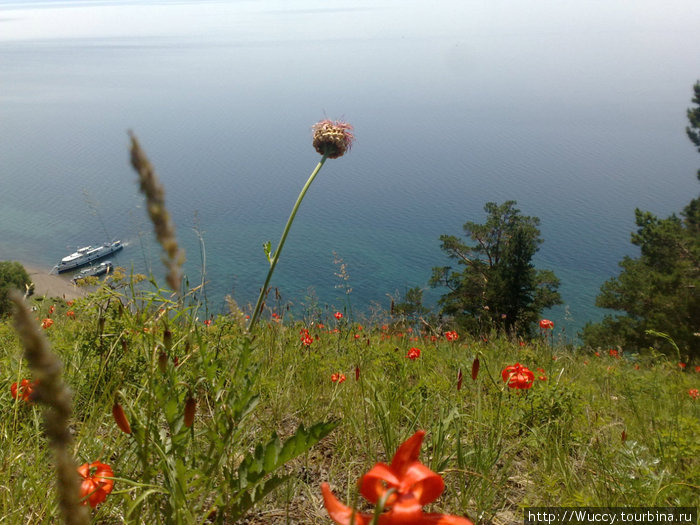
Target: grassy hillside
(593,429)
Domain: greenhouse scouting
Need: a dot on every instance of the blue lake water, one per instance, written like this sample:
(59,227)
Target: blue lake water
(574,109)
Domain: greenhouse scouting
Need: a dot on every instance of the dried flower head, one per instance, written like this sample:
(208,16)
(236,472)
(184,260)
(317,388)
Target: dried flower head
(332,138)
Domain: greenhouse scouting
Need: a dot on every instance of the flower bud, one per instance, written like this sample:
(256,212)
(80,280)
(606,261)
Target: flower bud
(190,409)
(459,379)
(475,368)
(163,361)
(120,418)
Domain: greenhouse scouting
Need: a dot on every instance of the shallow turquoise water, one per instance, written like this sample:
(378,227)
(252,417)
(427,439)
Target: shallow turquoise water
(577,112)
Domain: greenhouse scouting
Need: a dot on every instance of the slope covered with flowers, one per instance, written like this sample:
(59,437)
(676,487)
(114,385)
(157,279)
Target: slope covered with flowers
(160,391)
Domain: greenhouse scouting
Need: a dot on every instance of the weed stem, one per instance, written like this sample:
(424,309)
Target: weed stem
(276,254)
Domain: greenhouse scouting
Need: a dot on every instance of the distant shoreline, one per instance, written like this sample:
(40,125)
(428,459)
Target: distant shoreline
(52,285)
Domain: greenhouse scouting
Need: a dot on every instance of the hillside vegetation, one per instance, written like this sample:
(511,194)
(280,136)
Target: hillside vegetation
(603,428)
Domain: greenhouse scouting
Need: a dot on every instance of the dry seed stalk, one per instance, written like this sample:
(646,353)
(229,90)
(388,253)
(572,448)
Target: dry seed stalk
(53,393)
(155,203)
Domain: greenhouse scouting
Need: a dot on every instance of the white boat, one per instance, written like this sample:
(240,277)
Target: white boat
(87,255)
(94,271)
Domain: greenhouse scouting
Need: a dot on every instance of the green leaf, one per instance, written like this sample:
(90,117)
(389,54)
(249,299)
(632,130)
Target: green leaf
(273,455)
(267,247)
(252,497)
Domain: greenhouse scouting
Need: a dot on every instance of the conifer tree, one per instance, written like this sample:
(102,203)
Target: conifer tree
(498,285)
(659,291)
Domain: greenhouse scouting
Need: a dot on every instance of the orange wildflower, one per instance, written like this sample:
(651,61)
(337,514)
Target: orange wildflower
(546,324)
(95,485)
(518,376)
(24,390)
(413,354)
(413,484)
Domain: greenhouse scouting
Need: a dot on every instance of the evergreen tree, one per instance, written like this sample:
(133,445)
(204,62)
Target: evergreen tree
(498,285)
(411,307)
(660,289)
(693,130)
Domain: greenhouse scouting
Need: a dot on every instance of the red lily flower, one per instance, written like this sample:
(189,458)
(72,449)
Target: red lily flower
(24,391)
(518,376)
(46,323)
(546,324)
(451,336)
(414,486)
(694,393)
(338,316)
(306,338)
(96,486)
(413,354)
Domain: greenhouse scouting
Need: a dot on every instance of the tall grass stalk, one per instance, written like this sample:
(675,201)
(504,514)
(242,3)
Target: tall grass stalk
(53,393)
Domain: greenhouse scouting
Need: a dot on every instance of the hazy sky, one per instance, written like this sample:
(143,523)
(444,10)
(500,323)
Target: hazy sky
(388,19)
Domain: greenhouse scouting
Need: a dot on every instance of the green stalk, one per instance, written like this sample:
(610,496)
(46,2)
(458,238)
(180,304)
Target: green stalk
(276,255)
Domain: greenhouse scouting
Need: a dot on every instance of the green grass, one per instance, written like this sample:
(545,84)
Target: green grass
(557,444)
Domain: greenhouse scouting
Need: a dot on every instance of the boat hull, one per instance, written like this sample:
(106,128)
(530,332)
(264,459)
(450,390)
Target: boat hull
(95,271)
(105,251)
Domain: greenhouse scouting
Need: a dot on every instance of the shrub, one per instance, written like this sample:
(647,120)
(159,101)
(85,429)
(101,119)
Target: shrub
(12,275)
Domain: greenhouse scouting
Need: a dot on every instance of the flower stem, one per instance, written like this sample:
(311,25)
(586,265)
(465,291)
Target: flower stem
(276,255)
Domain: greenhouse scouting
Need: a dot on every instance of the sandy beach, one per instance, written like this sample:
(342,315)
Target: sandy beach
(53,285)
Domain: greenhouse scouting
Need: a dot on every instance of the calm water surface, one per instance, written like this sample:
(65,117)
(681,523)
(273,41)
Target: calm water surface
(574,109)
